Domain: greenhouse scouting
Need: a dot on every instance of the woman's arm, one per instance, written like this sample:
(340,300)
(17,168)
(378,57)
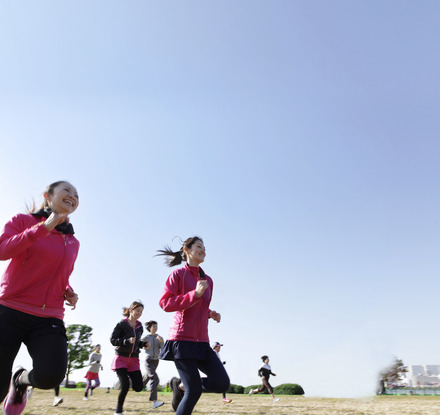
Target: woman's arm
(171,299)
(117,338)
(16,237)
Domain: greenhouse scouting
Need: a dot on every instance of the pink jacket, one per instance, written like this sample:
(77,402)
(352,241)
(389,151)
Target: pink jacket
(192,313)
(41,262)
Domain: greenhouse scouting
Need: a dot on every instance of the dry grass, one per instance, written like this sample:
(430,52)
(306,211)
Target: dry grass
(102,403)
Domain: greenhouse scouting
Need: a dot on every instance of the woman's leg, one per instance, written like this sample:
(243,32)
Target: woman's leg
(265,385)
(88,387)
(96,383)
(125,384)
(11,337)
(136,380)
(189,375)
(7,357)
(217,380)
(48,351)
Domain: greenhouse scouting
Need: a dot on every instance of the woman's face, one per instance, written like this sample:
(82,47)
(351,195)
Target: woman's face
(153,329)
(196,254)
(97,349)
(64,198)
(135,313)
(266,361)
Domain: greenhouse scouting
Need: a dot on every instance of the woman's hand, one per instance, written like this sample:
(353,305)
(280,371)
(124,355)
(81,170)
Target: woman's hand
(71,298)
(147,345)
(132,340)
(201,286)
(55,219)
(215,316)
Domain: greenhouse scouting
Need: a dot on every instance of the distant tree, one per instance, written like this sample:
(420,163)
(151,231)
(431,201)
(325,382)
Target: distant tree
(394,371)
(79,346)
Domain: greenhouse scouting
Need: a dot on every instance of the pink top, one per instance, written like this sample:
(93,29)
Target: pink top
(40,265)
(192,313)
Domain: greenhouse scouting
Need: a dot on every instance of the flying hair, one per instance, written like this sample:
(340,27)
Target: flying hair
(173,258)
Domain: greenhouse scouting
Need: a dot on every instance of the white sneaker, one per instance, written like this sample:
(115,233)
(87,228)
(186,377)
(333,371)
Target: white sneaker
(157,404)
(275,400)
(251,392)
(57,400)
(85,398)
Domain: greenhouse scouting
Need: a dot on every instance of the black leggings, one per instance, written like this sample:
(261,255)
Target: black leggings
(217,380)
(45,339)
(136,383)
(265,385)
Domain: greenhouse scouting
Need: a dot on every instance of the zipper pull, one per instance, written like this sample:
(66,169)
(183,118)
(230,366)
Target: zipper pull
(65,240)
(44,306)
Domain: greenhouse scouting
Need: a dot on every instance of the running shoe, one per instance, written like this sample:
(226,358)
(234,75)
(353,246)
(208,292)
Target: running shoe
(251,392)
(15,402)
(157,404)
(227,400)
(177,393)
(58,400)
(275,400)
(85,398)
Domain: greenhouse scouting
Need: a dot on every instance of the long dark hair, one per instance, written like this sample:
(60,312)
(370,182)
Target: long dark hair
(175,258)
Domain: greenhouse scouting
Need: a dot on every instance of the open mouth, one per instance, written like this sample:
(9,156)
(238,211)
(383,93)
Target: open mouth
(69,202)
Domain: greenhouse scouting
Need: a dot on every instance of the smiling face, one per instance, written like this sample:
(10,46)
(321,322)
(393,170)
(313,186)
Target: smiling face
(135,313)
(63,199)
(195,255)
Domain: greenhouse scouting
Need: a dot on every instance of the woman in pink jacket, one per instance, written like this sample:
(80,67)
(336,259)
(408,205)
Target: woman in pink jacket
(188,293)
(42,251)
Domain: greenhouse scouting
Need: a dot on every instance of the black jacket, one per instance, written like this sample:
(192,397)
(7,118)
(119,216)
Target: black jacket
(119,338)
(265,372)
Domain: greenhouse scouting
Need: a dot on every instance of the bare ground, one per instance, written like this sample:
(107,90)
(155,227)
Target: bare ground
(102,403)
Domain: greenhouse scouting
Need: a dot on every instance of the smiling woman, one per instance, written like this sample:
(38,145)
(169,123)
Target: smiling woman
(188,292)
(42,251)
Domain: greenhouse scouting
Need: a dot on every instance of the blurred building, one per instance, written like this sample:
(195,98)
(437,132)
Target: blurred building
(422,375)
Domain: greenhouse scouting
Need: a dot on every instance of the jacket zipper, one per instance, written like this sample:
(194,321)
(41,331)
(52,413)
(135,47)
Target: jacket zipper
(64,254)
(132,346)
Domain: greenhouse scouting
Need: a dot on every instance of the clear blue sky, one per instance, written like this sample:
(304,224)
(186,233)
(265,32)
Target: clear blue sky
(298,138)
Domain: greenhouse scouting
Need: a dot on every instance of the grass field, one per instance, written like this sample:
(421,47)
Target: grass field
(102,403)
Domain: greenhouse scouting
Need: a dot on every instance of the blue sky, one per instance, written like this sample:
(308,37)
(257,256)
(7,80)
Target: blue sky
(298,138)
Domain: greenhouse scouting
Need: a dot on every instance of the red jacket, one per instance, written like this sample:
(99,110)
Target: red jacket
(41,262)
(192,313)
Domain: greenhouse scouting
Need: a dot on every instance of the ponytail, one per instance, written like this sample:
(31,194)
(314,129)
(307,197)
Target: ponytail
(176,258)
(172,258)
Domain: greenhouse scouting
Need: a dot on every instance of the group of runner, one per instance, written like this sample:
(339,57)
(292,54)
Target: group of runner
(42,250)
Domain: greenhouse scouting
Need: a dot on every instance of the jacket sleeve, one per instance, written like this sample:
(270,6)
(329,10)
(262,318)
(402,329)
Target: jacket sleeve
(117,338)
(171,299)
(16,238)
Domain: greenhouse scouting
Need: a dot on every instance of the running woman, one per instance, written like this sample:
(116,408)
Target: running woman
(126,337)
(42,250)
(188,293)
(264,372)
(92,374)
